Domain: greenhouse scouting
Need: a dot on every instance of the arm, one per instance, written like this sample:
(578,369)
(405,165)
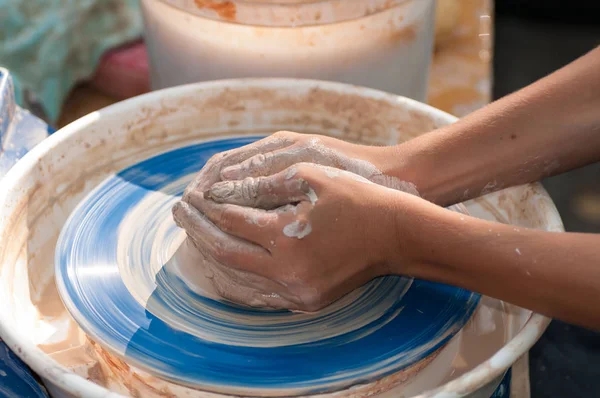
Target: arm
(556,274)
(547,128)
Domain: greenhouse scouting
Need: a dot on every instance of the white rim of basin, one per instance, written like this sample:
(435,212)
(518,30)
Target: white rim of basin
(60,376)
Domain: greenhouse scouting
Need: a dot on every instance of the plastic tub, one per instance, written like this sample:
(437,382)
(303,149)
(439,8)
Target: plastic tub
(43,188)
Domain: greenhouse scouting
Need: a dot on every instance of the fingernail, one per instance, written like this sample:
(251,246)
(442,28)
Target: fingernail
(230,173)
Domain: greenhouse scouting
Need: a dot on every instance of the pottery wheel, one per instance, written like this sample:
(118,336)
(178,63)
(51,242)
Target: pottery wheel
(116,271)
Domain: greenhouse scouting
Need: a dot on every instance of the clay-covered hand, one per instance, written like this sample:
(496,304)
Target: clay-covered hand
(284,149)
(304,236)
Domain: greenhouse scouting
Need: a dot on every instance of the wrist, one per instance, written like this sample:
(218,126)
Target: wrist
(408,162)
(407,234)
(417,162)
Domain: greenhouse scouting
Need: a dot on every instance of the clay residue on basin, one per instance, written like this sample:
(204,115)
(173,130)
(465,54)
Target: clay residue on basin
(39,207)
(351,117)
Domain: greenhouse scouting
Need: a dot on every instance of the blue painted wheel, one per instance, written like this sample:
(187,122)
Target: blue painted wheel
(110,273)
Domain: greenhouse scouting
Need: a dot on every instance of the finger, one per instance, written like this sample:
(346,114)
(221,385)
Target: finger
(248,288)
(256,298)
(262,192)
(251,289)
(236,285)
(254,225)
(275,301)
(210,173)
(269,163)
(211,241)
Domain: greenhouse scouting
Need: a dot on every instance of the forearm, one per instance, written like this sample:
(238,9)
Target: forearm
(545,129)
(556,274)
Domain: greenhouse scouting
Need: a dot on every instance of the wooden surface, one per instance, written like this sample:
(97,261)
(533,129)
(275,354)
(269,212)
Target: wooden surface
(461,74)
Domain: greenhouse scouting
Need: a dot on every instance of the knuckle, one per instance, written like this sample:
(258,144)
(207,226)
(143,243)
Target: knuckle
(249,189)
(217,158)
(304,170)
(256,161)
(264,185)
(267,159)
(309,173)
(285,134)
(311,141)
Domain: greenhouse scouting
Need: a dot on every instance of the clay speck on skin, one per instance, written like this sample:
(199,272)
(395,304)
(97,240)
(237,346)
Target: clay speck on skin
(490,187)
(312,196)
(395,183)
(332,173)
(297,230)
(551,166)
(251,218)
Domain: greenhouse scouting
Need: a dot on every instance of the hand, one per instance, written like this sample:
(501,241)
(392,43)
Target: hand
(304,236)
(284,149)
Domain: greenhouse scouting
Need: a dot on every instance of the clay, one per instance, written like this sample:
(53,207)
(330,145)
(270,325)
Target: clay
(297,230)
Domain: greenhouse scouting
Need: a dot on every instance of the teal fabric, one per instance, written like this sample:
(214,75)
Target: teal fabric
(50,45)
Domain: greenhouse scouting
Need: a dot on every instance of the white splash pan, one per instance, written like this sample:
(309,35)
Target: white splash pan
(39,193)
